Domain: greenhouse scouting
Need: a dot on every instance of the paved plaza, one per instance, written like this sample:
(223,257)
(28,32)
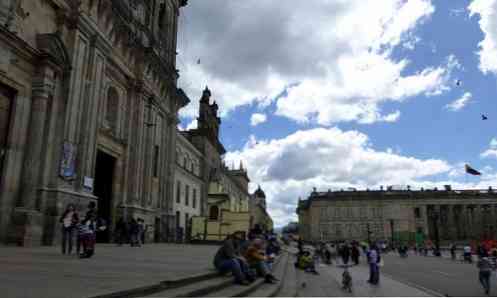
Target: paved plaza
(44,272)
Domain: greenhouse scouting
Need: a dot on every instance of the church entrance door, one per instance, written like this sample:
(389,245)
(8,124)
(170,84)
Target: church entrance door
(103,189)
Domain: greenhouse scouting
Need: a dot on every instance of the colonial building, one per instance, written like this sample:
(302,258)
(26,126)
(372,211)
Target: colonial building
(226,208)
(399,215)
(188,185)
(258,211)
(88,112)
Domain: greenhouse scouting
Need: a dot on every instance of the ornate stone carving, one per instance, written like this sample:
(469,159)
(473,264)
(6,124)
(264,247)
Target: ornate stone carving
(51,46)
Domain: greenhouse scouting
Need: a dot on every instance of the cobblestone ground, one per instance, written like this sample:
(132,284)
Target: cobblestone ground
(44,272)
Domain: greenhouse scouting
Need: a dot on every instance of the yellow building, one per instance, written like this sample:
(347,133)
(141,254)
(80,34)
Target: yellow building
(226,208)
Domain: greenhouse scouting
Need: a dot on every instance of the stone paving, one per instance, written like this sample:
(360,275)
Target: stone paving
(45,272)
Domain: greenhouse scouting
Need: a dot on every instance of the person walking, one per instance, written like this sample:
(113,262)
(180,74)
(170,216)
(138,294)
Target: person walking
(141,231)
(373,256)
(485,271)
(453,251)
(354,253)
(121,232)
(467,254)
(345,254)
(87,230)
(134,232)
(69,220)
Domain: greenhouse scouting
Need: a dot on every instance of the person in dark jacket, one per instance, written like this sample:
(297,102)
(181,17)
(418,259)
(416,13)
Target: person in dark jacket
(121,231)
(86,231)
(228,259)
(69,220)
(134,230)
(345,254)
(354,253)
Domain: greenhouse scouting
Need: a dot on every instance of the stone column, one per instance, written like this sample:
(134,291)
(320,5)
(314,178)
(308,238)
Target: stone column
(451,223)
(26,225)
(90,120)
(147,153)
(42,92)
(134,137)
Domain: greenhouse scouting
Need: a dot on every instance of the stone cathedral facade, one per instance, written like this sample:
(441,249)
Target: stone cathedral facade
(88,112)
(405,216)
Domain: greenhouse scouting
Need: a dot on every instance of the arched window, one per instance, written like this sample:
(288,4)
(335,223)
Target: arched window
(214,213)
(112,108)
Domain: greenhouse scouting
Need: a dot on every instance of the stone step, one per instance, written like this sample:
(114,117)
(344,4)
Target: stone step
(162,286)
(197,289)
(281,272)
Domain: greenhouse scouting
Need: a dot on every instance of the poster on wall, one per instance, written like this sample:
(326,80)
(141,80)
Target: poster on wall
(68,161)
(88,183)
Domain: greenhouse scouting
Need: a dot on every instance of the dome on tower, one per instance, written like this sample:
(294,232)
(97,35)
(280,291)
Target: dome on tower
(259,193)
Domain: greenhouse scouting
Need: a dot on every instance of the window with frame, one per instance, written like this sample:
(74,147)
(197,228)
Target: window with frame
(187,195)
(194,201)
(156,161)
(417,212)
(112,108)
(178,192)
(178,219)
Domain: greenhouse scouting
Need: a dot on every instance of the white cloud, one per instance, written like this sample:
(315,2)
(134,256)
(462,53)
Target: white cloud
(345,71)
(491,152)
(459,103)
(487,10)
(257,119)
(326,158)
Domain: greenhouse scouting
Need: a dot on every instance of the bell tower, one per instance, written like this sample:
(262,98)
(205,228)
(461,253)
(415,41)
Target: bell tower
(208,121)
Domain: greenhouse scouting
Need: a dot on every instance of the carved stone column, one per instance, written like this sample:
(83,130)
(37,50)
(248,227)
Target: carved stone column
(26,227)
(42,92)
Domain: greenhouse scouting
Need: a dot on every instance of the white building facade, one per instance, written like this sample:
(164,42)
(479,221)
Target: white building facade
(188,185)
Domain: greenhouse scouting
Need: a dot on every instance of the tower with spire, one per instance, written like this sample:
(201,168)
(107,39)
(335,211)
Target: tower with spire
(208,120)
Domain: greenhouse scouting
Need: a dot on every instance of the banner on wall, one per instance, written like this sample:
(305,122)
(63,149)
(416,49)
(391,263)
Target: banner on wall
(68,161)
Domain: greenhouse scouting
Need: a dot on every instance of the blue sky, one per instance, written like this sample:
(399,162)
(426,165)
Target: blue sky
(352,93)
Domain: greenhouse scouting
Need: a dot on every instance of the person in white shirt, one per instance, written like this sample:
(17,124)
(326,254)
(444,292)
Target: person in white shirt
(69,220)
(467,254)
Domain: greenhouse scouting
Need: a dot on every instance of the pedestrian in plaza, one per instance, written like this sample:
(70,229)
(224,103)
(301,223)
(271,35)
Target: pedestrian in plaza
(354,253)
(121,231)
(467,254)
(453,251)
(87,231)
(69,220)
(345,254)
(485,271)
(134,230)
(141,231)
(374,259)
(228,259)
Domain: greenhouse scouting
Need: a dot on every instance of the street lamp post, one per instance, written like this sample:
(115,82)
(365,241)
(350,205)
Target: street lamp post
(369,234)
(391,232)
(434,216)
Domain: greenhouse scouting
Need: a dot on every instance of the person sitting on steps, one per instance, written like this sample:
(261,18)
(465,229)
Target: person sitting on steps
(228,259)
(258,260)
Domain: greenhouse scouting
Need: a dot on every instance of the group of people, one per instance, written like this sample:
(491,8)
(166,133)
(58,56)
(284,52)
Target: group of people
(132,232)
(85,228)
(248,258)
(90,227)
